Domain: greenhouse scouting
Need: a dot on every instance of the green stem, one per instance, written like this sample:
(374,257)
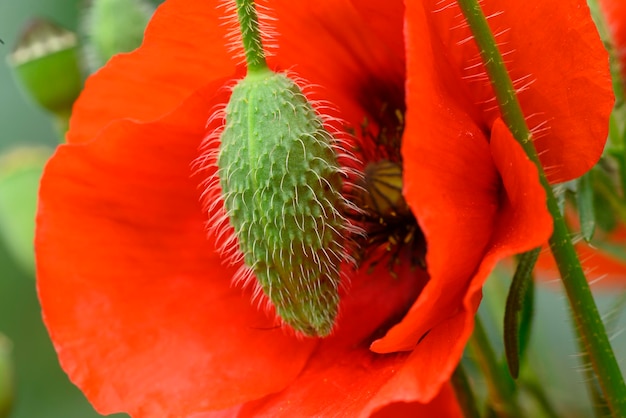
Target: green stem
(586,316)
(251,35)
(620,156)
(598,403)
(535,389)
(500,385)
(464,393)
(62,123)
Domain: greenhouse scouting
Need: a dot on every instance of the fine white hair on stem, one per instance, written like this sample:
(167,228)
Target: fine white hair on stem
(474,72)
(266,19)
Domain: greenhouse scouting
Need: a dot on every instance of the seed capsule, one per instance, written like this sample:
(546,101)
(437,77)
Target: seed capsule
(281,185)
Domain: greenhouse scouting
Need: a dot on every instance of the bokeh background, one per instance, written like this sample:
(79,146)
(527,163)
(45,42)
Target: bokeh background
(42,390)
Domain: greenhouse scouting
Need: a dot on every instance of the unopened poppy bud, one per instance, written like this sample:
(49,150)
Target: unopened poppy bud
(46,64)
(45,61)
(112,27)
(281,185)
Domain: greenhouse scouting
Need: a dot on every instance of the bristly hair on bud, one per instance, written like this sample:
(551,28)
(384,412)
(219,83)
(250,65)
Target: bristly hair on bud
(281,183)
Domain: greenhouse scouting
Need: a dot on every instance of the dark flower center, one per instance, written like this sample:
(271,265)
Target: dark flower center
(391,230)
(390,225)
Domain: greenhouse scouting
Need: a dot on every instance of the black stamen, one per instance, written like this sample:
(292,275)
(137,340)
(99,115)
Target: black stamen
(391,229)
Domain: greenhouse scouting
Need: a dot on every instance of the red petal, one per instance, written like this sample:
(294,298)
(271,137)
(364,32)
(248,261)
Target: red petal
(521,223)
(554,54)
(615,14)
(335,45)
(343,377)
(184,49)
(181,340)
(344,389)
(444,405)
(350,51)
(140,309)
(452,185)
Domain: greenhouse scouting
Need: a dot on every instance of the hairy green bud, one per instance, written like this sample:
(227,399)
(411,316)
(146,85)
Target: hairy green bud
(281,185)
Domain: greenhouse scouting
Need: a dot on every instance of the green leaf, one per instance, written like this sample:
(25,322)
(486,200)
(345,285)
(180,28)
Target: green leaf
(516,307)
(607,204)
(526,317)
(585,203)
(464,392)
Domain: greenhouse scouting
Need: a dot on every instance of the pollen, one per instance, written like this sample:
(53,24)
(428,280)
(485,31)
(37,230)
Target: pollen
(281,185)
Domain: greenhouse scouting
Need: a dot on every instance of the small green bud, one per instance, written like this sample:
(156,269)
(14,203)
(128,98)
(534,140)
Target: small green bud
(46,64)
(281,185)
(112,27)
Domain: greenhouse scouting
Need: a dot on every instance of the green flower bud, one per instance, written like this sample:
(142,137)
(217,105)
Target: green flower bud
(46,64)
(281,186)
(112,27)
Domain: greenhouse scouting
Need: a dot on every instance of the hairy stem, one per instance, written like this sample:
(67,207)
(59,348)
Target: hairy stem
(593,334)
(251,35)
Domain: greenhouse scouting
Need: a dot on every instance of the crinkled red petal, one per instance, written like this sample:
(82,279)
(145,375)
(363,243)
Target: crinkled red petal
(349,53)
(450,182)
(343,377)
(476,201)
(144,317)
(183,50)
(443,328)
(139,306)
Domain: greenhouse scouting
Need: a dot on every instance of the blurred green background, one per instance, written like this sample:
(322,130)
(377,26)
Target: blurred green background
(43,390)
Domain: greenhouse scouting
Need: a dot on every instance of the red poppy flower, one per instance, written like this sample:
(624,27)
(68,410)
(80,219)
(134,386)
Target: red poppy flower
(615,14)
(137,301)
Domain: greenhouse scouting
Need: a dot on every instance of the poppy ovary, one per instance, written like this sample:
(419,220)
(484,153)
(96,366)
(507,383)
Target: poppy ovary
(383,183)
